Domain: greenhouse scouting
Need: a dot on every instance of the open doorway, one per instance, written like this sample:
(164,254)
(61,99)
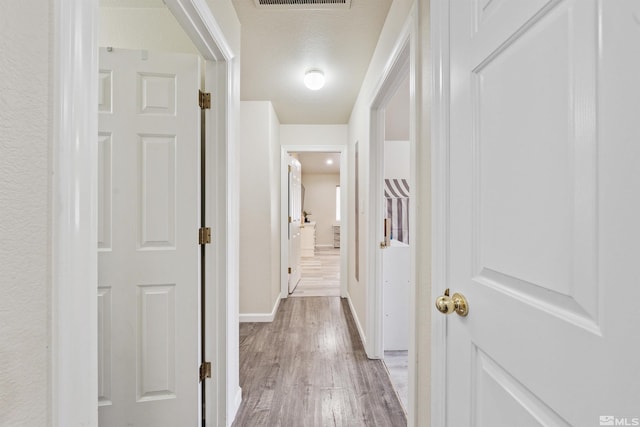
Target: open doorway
(150,178)
(396,265)
(390,263)
(319,229)
(165,189)
(323,242)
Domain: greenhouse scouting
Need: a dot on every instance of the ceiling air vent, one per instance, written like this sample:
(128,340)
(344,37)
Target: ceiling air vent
(303,4)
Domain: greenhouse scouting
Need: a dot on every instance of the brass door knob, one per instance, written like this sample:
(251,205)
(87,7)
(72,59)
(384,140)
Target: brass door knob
(447,305)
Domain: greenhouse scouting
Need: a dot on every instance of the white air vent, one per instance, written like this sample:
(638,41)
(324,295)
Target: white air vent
(303,4)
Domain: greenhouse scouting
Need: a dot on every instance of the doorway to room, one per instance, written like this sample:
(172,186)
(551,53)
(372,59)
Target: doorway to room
(322,235)
(152,191)
(319,229)
(396,265)
(390,262)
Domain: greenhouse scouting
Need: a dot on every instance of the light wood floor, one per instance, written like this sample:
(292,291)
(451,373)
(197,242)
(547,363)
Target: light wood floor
(308,368)
(397,362)
(320,274)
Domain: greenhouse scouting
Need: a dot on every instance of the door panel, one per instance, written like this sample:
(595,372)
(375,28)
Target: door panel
(295,213)
(534,166)
(148,220)
(529,175)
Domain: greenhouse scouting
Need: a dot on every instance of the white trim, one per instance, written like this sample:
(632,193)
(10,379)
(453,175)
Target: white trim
(356,320)
(222,78)
(261,317)
(440,90)
(197,20)
(398,65)
(74,342)
(344,228)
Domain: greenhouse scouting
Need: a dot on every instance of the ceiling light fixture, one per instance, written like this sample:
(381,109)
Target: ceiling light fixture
(314,79)
(329,161)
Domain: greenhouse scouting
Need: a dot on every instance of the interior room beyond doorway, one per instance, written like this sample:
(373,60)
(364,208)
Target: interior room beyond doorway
(320,226)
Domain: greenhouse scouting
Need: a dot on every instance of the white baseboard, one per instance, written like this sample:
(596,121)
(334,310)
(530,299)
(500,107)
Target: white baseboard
(325,246)
(357,321)
(260,317)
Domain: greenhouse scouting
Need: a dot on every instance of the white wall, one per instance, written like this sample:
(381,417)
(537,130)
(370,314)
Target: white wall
(142,28)
(259,152)
(314,134)
(397,159)
(25,214)
(320,200)
(359,131)
(274,178)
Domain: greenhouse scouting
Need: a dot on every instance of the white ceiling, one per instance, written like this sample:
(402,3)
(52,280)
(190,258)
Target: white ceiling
(279,45)
(316,163)
(132,3)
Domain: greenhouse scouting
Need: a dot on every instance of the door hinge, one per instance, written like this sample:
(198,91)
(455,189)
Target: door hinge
(289,270)
(289,168)
(289,220)
(205,371)
(204,100)
(204,235)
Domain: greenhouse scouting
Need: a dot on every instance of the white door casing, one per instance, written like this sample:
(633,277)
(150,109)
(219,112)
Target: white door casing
(543,229)
(148,270)
(294,219)
(285,153)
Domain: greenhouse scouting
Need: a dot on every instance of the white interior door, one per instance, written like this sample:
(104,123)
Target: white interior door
(148,221)
(295,216)
(544,213)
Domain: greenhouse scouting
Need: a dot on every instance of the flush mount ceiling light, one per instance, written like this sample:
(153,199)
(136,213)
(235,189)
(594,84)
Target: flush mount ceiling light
(329,161)
(314,79)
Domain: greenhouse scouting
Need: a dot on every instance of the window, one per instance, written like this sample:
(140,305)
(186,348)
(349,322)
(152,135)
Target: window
(337,203)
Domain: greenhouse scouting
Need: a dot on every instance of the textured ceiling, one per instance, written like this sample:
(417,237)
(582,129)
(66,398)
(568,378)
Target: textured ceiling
(279,45)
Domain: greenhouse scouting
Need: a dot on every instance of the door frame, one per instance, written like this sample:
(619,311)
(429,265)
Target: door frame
(74,341)
(440,103)
(285,151)
(405,57)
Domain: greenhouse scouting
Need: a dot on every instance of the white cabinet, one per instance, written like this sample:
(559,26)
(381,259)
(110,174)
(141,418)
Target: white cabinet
(308,238)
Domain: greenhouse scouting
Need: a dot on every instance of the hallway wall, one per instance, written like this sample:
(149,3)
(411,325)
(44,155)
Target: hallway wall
(259,210)
(359,132)
(25,215)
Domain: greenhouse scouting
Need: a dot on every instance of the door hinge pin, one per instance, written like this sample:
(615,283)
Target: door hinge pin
(204,235)
(204,100)
(205,371)
(289,270)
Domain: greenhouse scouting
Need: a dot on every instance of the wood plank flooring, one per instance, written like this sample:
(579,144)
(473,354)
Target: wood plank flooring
(308,368)
(320,274)
(397,362)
